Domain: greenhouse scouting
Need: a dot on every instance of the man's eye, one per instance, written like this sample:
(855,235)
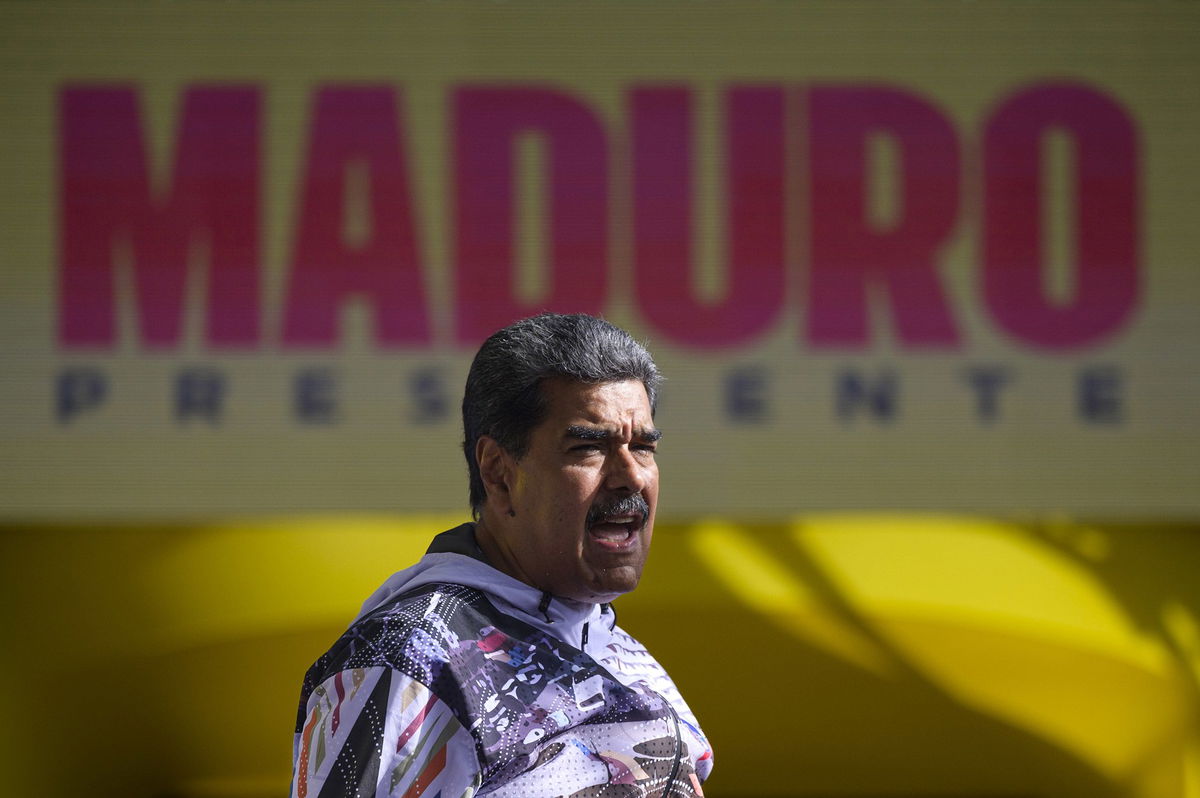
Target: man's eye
(586,447)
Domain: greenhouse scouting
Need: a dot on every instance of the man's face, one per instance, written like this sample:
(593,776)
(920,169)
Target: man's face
(585,491)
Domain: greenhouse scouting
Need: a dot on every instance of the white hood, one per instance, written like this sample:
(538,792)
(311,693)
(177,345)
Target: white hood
(454,557)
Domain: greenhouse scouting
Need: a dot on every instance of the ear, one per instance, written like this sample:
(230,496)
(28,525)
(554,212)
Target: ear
(495,468)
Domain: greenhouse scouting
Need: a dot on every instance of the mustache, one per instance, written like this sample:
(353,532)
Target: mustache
(628,505)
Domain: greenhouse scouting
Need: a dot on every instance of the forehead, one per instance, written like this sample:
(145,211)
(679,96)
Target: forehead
(606,403)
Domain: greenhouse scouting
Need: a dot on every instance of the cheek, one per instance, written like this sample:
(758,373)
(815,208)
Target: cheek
(652,480)
(582,480)
(570,493)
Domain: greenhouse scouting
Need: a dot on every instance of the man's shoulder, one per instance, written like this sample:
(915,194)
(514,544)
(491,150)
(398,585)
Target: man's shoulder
(413,632)
(418,605)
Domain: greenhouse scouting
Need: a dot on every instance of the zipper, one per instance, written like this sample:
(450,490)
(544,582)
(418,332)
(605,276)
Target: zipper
(583,643)
(678,753)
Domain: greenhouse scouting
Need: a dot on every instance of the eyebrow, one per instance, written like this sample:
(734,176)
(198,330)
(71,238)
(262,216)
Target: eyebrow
(601,434)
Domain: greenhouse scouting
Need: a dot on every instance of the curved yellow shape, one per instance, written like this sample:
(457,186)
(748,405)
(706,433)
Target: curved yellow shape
(1008,624)
(976,570)
(772,591)
(1184,630)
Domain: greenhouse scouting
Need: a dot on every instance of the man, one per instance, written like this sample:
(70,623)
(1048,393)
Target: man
(494,665)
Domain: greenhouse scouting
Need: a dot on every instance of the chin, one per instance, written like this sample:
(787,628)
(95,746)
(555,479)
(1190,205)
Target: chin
(608,589)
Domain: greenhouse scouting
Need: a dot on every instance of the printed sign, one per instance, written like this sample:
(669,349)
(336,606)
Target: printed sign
(905,276)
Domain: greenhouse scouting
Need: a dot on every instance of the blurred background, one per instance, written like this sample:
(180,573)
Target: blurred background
(921,275)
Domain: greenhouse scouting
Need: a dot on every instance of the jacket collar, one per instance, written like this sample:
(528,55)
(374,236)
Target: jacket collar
(544,606)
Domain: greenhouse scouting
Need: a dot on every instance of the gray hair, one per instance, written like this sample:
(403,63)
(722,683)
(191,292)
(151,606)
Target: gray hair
(503,397)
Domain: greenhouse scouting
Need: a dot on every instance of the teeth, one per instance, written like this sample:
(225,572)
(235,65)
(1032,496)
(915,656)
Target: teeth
(614,527)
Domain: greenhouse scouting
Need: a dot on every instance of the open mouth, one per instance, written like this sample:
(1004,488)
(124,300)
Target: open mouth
(617,531)
(615,524)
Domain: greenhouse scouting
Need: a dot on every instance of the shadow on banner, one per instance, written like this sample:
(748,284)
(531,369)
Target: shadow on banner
(850,655)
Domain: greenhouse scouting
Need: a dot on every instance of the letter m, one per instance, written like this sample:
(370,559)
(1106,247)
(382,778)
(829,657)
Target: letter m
(110,215)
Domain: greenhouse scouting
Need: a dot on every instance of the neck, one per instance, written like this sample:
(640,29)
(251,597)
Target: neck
(499,555)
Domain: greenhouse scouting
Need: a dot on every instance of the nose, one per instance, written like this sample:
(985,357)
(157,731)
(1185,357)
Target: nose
(625,473)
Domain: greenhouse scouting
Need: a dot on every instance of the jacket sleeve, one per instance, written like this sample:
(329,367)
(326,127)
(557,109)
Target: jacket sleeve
(376,732)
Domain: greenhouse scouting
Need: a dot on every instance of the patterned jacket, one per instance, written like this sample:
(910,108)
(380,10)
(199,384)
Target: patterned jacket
(457,680)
